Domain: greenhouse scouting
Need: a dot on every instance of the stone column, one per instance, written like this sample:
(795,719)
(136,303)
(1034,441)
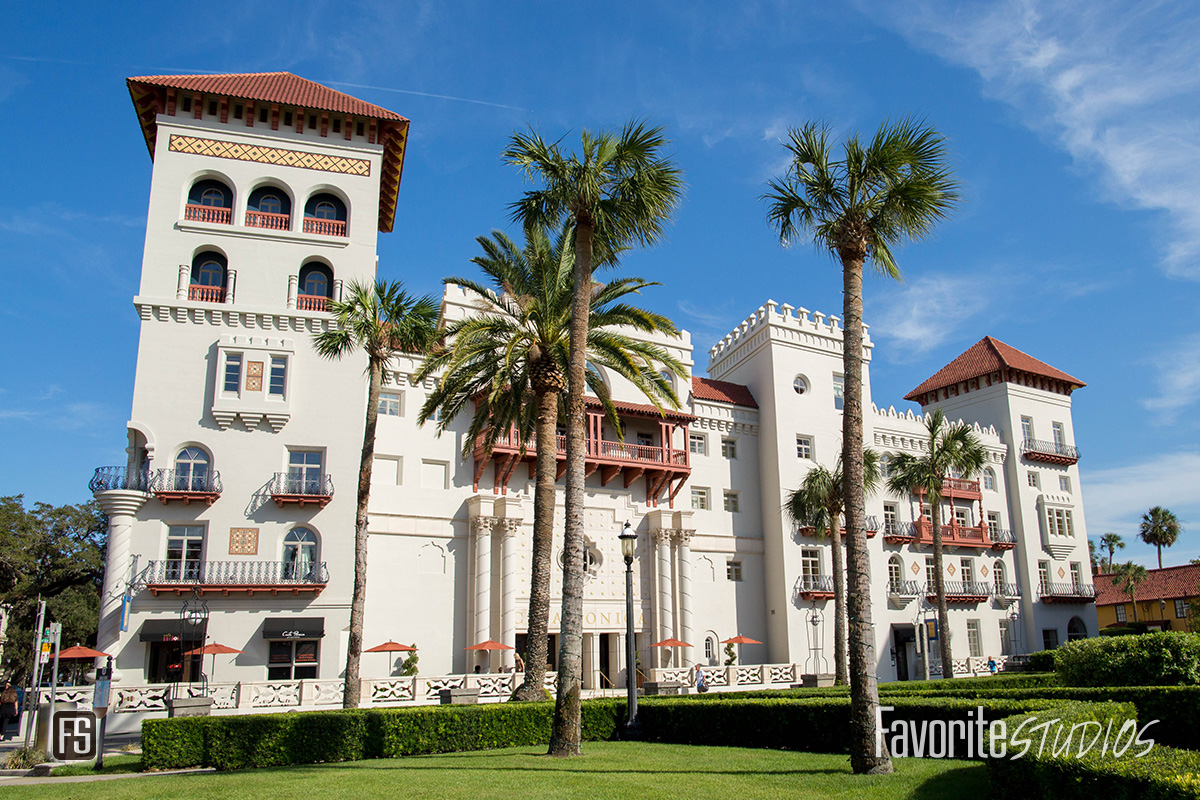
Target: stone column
(185,280)
(508,587)
(230,285)
(293,290)
(666,598)
(121,506)
(482,528)
(683,552)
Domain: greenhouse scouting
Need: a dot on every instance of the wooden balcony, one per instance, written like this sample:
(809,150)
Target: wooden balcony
(265,219)
(1049,452)
(325,227)
(956,487)
(213,214)
(206,294)
(179,577)
(312,302)
(953,534)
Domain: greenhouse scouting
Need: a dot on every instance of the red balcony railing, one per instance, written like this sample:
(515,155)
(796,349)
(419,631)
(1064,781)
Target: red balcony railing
(265,219)
(953,534)
(207,294)
(325,227)
(956,487)
(214,214)
(312,302)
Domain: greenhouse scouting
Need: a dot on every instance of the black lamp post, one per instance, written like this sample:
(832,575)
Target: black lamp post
(633,727)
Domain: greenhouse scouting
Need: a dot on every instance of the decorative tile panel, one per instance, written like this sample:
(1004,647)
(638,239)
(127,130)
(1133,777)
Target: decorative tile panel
(254,370)
(269,155)
(243,541)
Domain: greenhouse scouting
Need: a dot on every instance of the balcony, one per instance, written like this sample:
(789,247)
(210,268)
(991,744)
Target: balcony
(903,588)
(181,577)
(312,302)
(325,227)
(813,587)
(897,532)
(169,484)
(871,523)
(953,534)
(286,488)
(1002,539)
(265,219)
(206,294)
(956,487)
(962,592)
(1067,593)
(1006,591)
(106,479)
(213,214)
(1049,452)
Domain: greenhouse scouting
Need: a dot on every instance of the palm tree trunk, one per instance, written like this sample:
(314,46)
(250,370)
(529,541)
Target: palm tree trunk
(358,600)
(864,689)
(1133,603)
(534,687)
(1159,546)
(839,604)
(939,586)
(566,731)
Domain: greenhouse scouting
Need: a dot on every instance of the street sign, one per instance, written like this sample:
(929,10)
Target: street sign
(100,695)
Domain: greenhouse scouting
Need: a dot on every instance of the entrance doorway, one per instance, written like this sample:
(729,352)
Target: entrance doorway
(606,681)
(903,637)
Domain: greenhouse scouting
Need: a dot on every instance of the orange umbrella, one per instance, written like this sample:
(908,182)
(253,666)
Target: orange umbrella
(79,651)
(670,643)
(213,649)
(739,639)
(489,645)
(391,647)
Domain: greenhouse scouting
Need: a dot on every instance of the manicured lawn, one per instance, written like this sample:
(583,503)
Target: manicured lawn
(608,770)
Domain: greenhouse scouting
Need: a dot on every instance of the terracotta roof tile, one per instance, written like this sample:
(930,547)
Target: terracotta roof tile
(722,392)
(643,409)
(1168,583)
(986,356)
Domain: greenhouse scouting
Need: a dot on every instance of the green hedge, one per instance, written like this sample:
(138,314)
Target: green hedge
(1154,659)
(1128,629)
(1162,774)
(1042,661)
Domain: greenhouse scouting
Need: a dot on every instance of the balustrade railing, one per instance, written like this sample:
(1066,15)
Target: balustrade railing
(1039,446)
(963,589)
(312,302)
(1006,590)
(206,294)
(602,448)
(904,588)
(1002,536)
(190,481)
(1081,591)
(106,479)
(287,483)
(266,219)
(899,529)
(214,214)
(233,573)
(807,584)
(325,227)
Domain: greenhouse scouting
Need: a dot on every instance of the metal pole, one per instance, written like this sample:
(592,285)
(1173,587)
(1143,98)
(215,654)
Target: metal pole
(107,676)
(56,640)
(37,671)
(633,726)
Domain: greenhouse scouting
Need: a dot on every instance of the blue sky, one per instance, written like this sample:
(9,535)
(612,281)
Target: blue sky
(1074,128)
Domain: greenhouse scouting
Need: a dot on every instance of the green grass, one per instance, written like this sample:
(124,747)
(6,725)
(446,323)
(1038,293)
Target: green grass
(113,765)
(608,770)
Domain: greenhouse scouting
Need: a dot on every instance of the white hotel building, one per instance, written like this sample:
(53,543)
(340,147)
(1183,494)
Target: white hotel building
(237,499)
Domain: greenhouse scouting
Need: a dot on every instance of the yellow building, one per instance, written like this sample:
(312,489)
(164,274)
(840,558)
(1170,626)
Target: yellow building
(1163,599)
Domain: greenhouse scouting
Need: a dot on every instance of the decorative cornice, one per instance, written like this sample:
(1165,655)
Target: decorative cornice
(662,536)
(482,526)
(510,527)
(683,535)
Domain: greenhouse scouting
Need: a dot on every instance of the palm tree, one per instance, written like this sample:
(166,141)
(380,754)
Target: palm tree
(379,319)
(517,349)
(880,194)
(618,191)
(1160,528)
(818,503)
(1127,577)
(951,449)
(1111,542)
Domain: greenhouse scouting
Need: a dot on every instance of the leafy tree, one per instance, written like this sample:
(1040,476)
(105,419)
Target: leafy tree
(1093,556)
(1160,528)
(878,195)
(617,191)
(1127,577)
(951,449)
(818,503)
(409,667)
(1111,542)
(379,320)
(730,655)
(516,349)
(56,552)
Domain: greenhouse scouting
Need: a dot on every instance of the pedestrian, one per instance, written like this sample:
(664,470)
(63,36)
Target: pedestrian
(8,708)
(520,665)
(699,679)
(992,664)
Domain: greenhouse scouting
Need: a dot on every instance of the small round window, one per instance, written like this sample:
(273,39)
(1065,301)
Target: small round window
(800,384)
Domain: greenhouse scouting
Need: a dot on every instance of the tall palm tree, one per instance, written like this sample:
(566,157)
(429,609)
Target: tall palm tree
(880,194)
(1160,528)
(951,449)
(379,319)
(1127,577)
(516,349)
(818,503)
(1111,542)
(619,190)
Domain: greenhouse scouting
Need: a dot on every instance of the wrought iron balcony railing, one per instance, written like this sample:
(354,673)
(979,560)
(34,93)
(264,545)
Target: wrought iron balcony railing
(186,482)
(1040,450)
(814,584)
(1006,590)
(289,487)
(1002,536)
(105,479)
(1067,592)
(954,589)
(898,531)
(232,573)
(904,588)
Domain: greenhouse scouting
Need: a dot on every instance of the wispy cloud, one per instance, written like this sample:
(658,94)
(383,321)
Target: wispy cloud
(922,314)
(1115,498)
(1116,85)
(1178,380)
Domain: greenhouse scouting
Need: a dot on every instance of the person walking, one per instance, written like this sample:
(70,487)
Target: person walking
(8,708)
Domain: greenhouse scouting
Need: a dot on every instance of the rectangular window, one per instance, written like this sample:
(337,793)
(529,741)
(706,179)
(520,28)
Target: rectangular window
(304,472)
(700,498)
(212,108)
(278,376)
(731,501)
(1121,613)
(1043,575)
(890,519)
(185,549)
(1005,639)
(1064,483)
(643,439)
(1060,436)
(1076,574)
(437,412)
(187,104)
(729,448)
(804,447)
(287,119)
(974,642)
(1059,522)
(1049,638)
(733,570)
(967,568)
(389,404)
(698,444)
(1027,427)
(288,661)
(262,114)
(960,518)
(233,372)
(930,573)
(839,391)
(1181,609)
(1032,478)
(993,522)
(237,110)
(810,562)
(359,128)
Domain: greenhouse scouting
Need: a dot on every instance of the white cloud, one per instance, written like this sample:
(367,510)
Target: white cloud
(920,315)
(1116,498)
(1116,84)
(1178,380)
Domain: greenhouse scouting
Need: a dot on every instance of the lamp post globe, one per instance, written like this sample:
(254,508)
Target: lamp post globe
(633,727)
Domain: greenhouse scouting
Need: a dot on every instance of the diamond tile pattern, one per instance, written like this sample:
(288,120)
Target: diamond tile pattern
(269,155)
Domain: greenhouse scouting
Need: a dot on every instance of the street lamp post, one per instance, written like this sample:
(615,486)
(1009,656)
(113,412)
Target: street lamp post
(633,726)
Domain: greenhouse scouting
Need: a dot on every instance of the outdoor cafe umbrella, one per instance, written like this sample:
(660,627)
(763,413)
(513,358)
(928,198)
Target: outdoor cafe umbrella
(213,649)
(670,643)
(490,644)
(79,652)
(739,639)
(391,647)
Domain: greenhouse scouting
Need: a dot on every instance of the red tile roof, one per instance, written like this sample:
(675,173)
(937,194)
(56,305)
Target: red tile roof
(1168,583)
(149,94)
(722,392)
(641,409)
(986,356)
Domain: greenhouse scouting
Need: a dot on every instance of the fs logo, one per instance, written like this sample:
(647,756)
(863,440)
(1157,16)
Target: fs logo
(74,736)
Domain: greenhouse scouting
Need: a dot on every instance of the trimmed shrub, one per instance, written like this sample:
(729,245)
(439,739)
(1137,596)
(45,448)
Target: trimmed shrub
(1012,680)
(175,743)
(1128,629)
(1042,661)
(1155,659)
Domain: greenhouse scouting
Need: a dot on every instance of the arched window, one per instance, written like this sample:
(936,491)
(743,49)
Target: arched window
(895,574)
(1076,629)
(989,479)
(299,554)
(210,201)
(208,277)
(269,207)
(191,470)
(316,280)
(710,648)
(326,215)
(998,579)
